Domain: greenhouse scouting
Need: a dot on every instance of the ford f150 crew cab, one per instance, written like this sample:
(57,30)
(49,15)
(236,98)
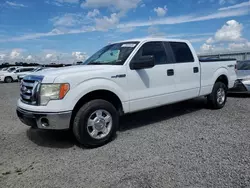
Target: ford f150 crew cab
(121,78)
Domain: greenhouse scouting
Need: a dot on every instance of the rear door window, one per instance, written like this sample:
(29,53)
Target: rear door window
(26,69)
(182,52)
(29,69)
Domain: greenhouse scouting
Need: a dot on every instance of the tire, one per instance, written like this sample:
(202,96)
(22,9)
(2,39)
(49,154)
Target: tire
(8,80)
(217,99)
(89,113)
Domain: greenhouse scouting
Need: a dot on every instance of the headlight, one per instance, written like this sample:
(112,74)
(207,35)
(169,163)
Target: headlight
(52,92)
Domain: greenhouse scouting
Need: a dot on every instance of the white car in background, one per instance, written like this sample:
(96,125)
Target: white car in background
(11,75)
(242,84)
(8,69)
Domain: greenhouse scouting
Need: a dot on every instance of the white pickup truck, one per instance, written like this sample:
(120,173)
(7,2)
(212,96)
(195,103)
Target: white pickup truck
(121,78)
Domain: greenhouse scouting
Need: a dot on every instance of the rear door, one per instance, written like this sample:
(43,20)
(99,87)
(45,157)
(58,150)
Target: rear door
(149,87)
(186,71)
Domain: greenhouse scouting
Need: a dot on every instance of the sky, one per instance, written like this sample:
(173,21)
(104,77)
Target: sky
(66,31)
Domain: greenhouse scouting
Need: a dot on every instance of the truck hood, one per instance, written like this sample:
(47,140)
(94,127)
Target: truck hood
(51,74)
(72,69)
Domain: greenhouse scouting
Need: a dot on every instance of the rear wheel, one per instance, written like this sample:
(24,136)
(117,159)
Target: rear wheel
(8,80)
(218,97)
(95,123)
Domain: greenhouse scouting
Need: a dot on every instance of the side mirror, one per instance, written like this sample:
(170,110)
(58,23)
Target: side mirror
(145,62)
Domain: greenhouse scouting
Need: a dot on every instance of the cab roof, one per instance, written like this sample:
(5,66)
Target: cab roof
(148,39)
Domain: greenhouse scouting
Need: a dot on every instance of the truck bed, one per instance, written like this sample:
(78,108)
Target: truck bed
(211,68)
(215,60)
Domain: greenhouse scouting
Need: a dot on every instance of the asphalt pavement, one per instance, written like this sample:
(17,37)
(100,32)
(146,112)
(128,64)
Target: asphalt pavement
(180,145)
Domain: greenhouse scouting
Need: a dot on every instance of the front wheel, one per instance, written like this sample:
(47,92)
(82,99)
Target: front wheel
(95,123)
(218,97)
(8,80)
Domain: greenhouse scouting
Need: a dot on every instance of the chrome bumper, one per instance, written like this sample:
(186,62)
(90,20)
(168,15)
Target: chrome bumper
(45,120)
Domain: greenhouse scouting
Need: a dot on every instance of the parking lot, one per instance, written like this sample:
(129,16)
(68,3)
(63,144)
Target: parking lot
(180,145)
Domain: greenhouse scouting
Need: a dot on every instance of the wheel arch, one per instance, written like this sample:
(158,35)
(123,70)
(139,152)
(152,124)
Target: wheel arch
(98,94)
(221,75)
(222,78)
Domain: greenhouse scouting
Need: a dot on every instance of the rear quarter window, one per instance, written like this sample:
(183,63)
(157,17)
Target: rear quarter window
(182,52)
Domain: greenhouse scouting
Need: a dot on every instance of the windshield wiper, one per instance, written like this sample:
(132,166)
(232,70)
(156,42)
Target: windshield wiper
(99,63)
(115,62)
(95,63)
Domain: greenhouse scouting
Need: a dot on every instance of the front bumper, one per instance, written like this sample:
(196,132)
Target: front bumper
(2,78)
(45,120)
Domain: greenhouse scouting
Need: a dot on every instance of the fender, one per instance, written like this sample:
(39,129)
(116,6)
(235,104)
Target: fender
(219,72)
(94,84)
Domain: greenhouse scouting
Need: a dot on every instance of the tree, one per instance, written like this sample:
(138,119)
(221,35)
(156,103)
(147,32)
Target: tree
(79,62)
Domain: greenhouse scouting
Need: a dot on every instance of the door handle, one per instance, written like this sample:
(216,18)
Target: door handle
(196,69)
(170,72)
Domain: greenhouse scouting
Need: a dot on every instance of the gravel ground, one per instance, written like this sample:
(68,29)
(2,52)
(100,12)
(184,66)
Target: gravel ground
(181,145)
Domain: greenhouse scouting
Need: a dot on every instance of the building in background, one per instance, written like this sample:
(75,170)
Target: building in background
(238,55)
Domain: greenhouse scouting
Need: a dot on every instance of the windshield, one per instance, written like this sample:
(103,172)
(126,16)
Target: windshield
(243,65)
(4,69)
(11,69)
(113,54)
(37,69)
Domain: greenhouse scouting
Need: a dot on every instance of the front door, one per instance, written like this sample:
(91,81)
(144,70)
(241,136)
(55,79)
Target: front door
(149,87)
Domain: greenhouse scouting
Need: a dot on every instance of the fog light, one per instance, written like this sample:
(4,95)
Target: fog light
(44,122)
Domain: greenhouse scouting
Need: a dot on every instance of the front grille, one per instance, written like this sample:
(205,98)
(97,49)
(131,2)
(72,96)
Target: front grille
(30,86)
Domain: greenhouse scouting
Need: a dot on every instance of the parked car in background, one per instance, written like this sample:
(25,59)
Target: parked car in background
(21,76)
(9,69)
(242,84)
(11,75)
(121,78)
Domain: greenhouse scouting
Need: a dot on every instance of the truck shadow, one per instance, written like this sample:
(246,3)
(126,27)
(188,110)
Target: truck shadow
(65,139)
(147,117)
(51,139)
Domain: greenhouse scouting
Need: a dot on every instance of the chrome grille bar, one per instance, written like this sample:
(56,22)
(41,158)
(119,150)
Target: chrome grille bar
(28,84)
(29,89)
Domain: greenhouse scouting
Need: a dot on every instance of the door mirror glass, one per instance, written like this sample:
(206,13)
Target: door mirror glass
(145,62)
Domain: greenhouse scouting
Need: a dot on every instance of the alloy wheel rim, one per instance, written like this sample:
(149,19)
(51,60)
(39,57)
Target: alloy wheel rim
(221,96)
(99,124)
